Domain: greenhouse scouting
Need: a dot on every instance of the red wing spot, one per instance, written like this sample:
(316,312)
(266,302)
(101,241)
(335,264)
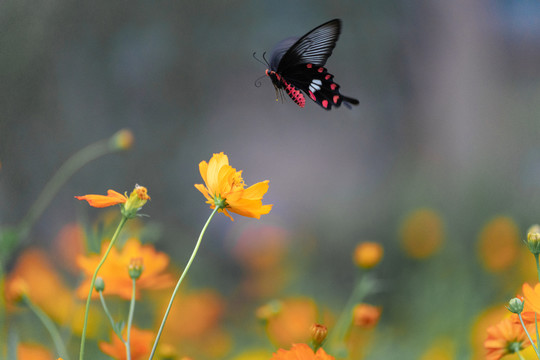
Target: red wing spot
(312,96)
(325,103)
(328,76)
(333,86)
(336,98)
(309,66)
(321,69)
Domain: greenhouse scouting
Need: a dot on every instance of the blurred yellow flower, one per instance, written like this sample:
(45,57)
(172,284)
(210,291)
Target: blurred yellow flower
(225,189)
(366,316)
(422,233)
(140,345)
(301,352)
(292,323)
(505,338)
(368,254)
(441,349)
(499,244)
(115,270)
(256,354)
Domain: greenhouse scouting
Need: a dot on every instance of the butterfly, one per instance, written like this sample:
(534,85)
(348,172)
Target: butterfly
(297,65)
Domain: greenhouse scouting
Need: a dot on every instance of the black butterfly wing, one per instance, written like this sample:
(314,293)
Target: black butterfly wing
(313,48)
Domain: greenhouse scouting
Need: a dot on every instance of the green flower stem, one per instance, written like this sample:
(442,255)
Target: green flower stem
(130,320)
(519,355)
(188,265)
(537,265)
(49,325)
(363,287)
(70,167)
(113,240)
(107,312)
(529,336)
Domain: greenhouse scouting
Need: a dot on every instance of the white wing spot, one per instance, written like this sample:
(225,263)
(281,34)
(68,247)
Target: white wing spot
(315,85)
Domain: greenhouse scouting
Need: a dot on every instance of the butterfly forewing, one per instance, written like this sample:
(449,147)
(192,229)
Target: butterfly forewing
(315,47)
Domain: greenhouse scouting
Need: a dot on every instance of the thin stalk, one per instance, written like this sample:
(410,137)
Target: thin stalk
(49,325)
(113,240)
(66,170)
(188,265)
(109,316)
(130,320)
(529,336)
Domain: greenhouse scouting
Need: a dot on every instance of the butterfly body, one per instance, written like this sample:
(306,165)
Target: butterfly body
(297,67)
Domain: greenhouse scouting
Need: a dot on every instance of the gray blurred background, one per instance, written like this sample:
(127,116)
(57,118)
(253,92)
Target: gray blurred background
(448,118)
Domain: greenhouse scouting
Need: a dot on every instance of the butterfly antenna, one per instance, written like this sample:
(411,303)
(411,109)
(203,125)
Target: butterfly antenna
(259,60)
(266,61)
(258,82)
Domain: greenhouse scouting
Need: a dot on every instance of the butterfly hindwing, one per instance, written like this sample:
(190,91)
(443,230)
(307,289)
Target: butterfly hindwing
(318,84)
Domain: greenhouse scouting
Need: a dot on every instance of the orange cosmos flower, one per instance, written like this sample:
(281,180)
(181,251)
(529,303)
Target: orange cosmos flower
(303,352)
(115,270)
(505,338)
(140,345)
(532,298)
(132,204)
(225,189)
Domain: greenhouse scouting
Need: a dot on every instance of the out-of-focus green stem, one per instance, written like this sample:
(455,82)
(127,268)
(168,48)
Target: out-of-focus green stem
(113,240)
(49,325)
(71,166)
(188,265)
(336,341)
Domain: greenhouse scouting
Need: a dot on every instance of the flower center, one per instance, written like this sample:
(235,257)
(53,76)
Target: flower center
(237,181)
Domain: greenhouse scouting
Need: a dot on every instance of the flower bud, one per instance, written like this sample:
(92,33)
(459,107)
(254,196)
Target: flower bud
(533,239)
(135,268)
(122,140)
(515,305)
(318,334)
(99,284)
(17,290)
(137,199)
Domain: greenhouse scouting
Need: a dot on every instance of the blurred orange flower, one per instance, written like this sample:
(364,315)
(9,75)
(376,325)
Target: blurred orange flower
(292,322)
(115,270)
(301,352)
(499,244)
(27,351)
(441,349)
(140,345)
(422,233)
(225,189)
(366,316)
(368,254)
(100,201)
(35,276)
(505,338)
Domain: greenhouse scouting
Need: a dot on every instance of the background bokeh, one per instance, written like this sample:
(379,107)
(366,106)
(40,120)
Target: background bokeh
(446,134)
